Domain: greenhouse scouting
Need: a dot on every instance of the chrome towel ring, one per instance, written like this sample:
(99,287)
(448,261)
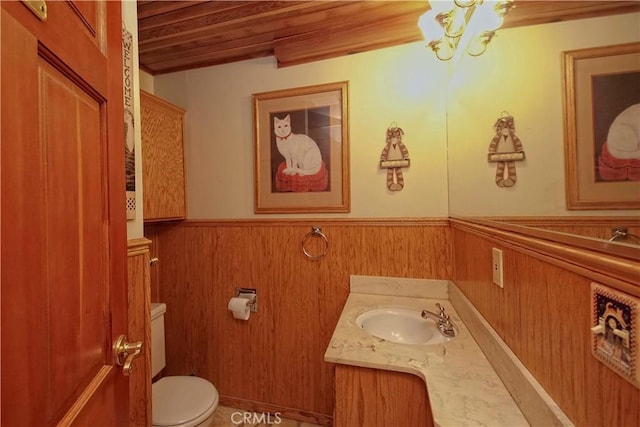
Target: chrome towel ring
(317,232)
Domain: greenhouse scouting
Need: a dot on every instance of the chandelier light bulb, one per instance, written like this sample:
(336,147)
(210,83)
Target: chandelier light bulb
(451,27)
(431,29)
(486,17)
(440,6)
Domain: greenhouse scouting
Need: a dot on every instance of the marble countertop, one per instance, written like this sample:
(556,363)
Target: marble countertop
(463,388)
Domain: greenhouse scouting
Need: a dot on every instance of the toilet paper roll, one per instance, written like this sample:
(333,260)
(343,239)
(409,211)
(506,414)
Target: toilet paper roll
(239,308)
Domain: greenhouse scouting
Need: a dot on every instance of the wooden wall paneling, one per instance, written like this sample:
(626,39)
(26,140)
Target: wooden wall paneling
(155,267)
(261,363)
(547,327)
(509,314)
(617,266)
(555,311)
(378,398)
(621,396)
(139,329)
(598,227)
(555,235)
(491,300)
(151,232)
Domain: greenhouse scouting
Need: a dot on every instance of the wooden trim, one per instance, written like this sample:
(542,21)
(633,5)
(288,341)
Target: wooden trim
(590,220)
(591,244)
(85,397)
(138,246)
(617,272)
(139,329)
(334,222)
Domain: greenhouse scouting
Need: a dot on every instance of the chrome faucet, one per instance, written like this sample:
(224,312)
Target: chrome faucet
(445,325)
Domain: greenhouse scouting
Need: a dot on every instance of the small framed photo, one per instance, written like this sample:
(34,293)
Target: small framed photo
(602,115)
(615,319)
(302,150)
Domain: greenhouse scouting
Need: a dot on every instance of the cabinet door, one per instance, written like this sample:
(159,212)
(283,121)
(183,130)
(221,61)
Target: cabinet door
(163,179)
(379,398)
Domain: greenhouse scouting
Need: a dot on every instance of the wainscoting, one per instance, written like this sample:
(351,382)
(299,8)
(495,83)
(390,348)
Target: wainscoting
(274,361)
(544,313)
(139,329)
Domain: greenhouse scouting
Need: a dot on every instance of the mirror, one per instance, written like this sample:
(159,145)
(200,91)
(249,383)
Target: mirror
(521,75)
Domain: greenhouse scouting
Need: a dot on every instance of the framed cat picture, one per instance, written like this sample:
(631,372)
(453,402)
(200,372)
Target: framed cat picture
(602,115)
(302,150)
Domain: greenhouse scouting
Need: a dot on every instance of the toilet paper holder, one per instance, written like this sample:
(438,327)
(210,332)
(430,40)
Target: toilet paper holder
(251,295)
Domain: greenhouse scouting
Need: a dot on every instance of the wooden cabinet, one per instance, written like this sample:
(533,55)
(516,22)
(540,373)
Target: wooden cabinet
(163,172)
(378,398)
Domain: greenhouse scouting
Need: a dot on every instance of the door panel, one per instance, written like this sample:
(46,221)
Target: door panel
(77,286)
(87,11)
(63,230)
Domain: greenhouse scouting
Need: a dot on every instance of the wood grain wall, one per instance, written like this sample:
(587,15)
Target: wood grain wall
(274,361)
(139,329)
(544,315)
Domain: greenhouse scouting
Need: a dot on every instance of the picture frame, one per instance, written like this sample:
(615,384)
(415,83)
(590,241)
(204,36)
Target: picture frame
(301,141)
(615,325)
(601,93)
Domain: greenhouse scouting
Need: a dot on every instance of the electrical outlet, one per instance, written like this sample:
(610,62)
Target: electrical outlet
(496,266)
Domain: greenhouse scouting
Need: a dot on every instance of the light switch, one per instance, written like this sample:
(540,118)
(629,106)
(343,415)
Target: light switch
(496,265)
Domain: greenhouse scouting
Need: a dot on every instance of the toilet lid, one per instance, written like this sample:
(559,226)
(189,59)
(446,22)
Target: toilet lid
(178,400)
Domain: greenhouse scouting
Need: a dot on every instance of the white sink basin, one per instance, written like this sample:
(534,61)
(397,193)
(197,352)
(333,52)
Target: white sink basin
(400,325)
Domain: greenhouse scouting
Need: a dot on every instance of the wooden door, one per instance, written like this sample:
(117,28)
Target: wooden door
(63,289)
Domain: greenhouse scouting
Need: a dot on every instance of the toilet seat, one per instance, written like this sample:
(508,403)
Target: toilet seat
(182,401)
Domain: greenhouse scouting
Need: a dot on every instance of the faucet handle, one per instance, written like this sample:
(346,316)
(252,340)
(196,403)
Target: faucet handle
(441,308)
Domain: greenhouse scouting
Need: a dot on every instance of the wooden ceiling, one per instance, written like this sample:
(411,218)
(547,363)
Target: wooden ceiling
(181,35)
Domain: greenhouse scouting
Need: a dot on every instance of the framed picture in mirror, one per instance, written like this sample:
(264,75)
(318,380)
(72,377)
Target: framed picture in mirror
(302,150)
(602,127)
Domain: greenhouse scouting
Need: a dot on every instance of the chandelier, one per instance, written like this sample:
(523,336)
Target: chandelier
(462,25)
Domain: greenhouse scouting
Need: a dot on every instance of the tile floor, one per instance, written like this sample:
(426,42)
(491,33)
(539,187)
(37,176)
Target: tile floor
(230,417)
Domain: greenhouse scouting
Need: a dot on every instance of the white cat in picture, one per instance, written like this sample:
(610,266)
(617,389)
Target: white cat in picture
(301,153)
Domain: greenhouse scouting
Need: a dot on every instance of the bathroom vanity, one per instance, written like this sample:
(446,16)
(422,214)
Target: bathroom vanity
(379,382)
(378,397)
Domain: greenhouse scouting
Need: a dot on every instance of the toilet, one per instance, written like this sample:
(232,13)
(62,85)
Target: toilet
(179,401)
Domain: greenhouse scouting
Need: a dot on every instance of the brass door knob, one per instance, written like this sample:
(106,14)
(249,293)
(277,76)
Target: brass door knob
(124,352)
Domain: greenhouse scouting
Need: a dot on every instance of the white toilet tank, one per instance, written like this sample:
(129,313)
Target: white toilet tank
(158,360)
(177,401)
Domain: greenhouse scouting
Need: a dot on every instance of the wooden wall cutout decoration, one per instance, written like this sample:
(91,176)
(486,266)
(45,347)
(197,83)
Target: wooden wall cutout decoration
(615,322)
(394,157)
(129,135)
(505,149)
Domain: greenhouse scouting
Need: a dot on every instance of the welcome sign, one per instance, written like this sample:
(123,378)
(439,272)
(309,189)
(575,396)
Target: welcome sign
(129,135)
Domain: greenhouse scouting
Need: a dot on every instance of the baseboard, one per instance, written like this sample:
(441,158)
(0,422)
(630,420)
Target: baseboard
(534,402)
(284,412)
